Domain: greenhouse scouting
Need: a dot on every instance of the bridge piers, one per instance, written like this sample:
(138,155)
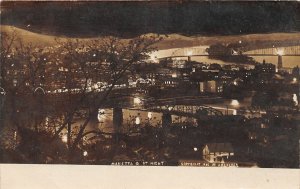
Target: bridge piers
(117,118)
(166,119)
(279,63)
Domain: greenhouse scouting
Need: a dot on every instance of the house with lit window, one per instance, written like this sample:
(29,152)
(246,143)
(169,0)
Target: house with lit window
(217,152)
(211,87)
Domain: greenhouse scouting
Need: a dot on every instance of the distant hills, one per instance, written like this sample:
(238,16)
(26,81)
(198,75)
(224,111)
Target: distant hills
(169,41)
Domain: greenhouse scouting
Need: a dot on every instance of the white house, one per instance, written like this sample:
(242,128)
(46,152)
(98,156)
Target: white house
(217,152)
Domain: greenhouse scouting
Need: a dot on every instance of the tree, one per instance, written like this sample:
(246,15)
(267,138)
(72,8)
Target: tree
(87,72)
(49,87)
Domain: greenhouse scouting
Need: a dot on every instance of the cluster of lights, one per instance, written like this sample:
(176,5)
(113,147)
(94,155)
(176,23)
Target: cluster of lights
(234,103)
(280,52)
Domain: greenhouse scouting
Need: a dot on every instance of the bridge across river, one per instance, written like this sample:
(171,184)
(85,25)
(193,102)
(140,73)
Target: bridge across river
(293,50)
(198,112)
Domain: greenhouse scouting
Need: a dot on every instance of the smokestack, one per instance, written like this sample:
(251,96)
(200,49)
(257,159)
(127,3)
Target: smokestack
(279,65)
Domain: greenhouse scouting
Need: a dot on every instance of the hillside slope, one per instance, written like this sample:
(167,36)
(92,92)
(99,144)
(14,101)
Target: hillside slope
(170,41)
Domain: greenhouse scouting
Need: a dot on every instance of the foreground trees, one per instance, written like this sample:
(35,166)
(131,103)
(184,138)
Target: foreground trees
(48,89)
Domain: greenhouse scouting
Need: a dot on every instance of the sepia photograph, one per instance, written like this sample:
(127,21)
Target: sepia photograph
(150,83)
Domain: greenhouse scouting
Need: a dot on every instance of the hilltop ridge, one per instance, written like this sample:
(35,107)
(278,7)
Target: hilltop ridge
(169,41)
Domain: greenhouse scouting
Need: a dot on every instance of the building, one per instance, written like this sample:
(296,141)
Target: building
(211,87)
(265,68)
(217,152)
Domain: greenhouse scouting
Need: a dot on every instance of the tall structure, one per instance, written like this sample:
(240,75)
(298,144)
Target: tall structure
(279,64)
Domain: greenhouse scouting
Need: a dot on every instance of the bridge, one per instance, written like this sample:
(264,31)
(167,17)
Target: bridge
(266,51)
(199,112)
(168,108)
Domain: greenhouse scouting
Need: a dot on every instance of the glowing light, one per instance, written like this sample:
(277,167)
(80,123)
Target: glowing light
(263,126)
(85,153)
(149,115)
(195,149)
(64,138)
(295,99)
(153,58)
(189,53)
(294,79)
(235,83)
(94,55)
(2,91)
(280,52)
(96,86)
(234,112)
(174,75)
(240,41)
(47,121)
(101,115)
(137,120)
(137,100)
(235,103)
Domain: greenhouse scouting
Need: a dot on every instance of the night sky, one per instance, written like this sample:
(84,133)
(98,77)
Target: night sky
(128,19)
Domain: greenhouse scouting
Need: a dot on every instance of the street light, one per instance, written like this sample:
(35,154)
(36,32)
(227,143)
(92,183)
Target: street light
(85,153)
(137,120)
(149,115)
(64,138)
(295,99)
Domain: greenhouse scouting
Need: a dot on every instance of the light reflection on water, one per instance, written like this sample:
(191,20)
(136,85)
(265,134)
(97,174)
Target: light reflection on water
(132,118)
